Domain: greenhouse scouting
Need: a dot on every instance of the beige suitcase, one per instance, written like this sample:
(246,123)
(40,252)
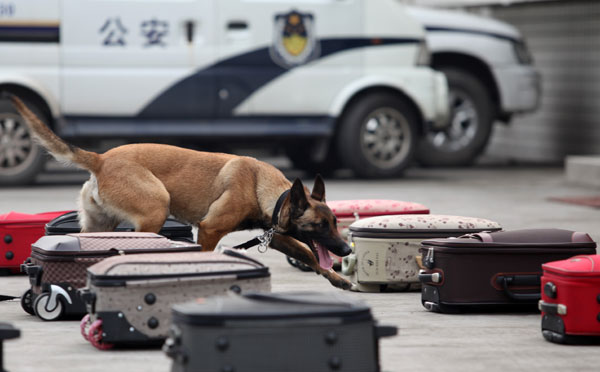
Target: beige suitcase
(129,298)
(386,248)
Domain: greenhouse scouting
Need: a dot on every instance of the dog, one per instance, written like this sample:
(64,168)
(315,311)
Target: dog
(220,193)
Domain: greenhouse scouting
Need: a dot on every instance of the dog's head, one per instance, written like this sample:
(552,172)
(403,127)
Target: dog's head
(306,217)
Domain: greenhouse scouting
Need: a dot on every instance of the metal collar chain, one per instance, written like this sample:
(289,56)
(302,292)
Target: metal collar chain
(265,240)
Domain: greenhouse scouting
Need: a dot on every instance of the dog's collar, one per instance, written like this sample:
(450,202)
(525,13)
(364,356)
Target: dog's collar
(277,209)
(264,240)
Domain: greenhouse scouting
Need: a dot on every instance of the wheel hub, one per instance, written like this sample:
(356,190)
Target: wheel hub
(463,124)
(385,137)
(17,149)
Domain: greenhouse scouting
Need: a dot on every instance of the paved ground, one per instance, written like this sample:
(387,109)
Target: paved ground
(514,196)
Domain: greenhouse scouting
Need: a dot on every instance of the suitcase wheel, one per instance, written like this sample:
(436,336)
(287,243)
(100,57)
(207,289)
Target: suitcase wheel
(95,336)
(46,310)
(27,303)
(84,326)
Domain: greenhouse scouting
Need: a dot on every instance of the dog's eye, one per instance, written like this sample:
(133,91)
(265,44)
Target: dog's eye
(323,224)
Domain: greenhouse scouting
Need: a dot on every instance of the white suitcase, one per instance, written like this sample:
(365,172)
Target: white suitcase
(385,249)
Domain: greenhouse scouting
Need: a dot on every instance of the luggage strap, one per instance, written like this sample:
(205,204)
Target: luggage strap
(7,298)
(484,236)
(264,240)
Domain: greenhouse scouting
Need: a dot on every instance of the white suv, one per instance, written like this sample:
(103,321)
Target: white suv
(331,81)
(490,76)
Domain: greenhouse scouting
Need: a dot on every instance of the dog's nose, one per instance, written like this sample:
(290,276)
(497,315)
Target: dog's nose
(346,250)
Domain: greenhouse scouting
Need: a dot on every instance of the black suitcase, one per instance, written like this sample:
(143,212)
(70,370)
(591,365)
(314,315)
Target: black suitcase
(68,224)
(493,271)
(291,332)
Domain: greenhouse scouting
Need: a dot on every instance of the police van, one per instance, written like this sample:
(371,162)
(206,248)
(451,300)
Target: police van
(332,82)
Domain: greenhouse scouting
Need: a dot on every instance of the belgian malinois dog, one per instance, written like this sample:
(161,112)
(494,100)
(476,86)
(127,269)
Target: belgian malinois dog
(220,193)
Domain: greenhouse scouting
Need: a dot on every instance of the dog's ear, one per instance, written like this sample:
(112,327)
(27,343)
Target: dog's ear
(298,200)
(318,192)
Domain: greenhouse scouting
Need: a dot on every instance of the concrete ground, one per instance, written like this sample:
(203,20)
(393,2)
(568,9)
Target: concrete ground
(517,197)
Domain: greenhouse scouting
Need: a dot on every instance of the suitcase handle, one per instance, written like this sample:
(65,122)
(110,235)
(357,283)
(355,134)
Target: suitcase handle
(385,331)
(348,264)
(520,280)
(554,309)
(430,278)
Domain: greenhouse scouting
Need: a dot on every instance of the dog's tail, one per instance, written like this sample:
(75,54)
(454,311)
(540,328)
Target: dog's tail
(61,150)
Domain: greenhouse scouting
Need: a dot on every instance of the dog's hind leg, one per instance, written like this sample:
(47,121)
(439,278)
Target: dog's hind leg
(92,217)
(143,199)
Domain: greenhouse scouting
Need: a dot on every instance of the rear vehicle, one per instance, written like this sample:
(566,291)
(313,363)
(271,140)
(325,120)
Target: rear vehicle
(490,75)
(332,82)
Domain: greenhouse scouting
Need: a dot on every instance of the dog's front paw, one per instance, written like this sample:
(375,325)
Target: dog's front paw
(342,283)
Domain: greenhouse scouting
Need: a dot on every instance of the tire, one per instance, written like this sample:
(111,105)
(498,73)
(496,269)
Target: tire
(21,159)
(27,303)
(39,306)
(378,136)
(471,122)
(301,158)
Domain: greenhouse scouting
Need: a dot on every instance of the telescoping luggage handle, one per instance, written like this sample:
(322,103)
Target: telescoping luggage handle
(519,280)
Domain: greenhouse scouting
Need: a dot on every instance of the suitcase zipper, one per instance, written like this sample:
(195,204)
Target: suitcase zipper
(429,260)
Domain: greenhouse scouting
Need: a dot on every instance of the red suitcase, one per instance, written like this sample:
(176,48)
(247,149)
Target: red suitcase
(570,301)
(348,211)
(17,232)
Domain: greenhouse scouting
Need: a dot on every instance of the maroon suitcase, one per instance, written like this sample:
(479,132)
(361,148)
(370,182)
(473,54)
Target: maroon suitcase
(493,270)
(570,301)
(58,263)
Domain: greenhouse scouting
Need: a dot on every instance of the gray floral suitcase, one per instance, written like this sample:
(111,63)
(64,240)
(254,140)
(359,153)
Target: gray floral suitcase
(58,263)
(129,298)
(291,332)
(386,248)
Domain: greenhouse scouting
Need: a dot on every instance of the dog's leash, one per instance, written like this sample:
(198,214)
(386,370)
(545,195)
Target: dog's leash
(264,240)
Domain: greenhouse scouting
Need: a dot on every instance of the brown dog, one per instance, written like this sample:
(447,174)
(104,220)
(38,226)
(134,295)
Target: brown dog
(220,193)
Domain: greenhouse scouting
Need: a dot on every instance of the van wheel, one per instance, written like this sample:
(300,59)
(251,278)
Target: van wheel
(470,127)
(377,136)
(301,158)
(21,159)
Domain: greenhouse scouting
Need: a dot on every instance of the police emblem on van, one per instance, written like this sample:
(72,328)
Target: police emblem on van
(294,39)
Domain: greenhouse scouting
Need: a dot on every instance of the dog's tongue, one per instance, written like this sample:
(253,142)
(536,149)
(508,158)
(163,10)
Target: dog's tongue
(325,260)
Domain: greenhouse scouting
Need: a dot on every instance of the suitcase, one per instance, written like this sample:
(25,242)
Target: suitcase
(57,266)
(386,248)
(17,232)
(7,332)
(570,301)
(493,271)
(349,211)
(292,332)
(69,224)
(129,298)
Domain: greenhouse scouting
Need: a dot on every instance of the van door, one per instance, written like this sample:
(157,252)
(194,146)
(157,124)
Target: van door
(134,59)
(263,40)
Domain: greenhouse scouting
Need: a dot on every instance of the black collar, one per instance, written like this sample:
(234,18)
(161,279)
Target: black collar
(277,209)
(274,222)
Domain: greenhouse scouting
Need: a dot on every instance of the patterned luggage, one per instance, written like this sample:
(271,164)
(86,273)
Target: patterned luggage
(292,332)
(493,270)
(17,232)
(129,298)
(68,224)
(386,248)
(570,301)
(349,211)
(58,263)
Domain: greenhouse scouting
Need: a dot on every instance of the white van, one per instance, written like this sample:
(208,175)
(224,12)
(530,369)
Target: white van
(330,81)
